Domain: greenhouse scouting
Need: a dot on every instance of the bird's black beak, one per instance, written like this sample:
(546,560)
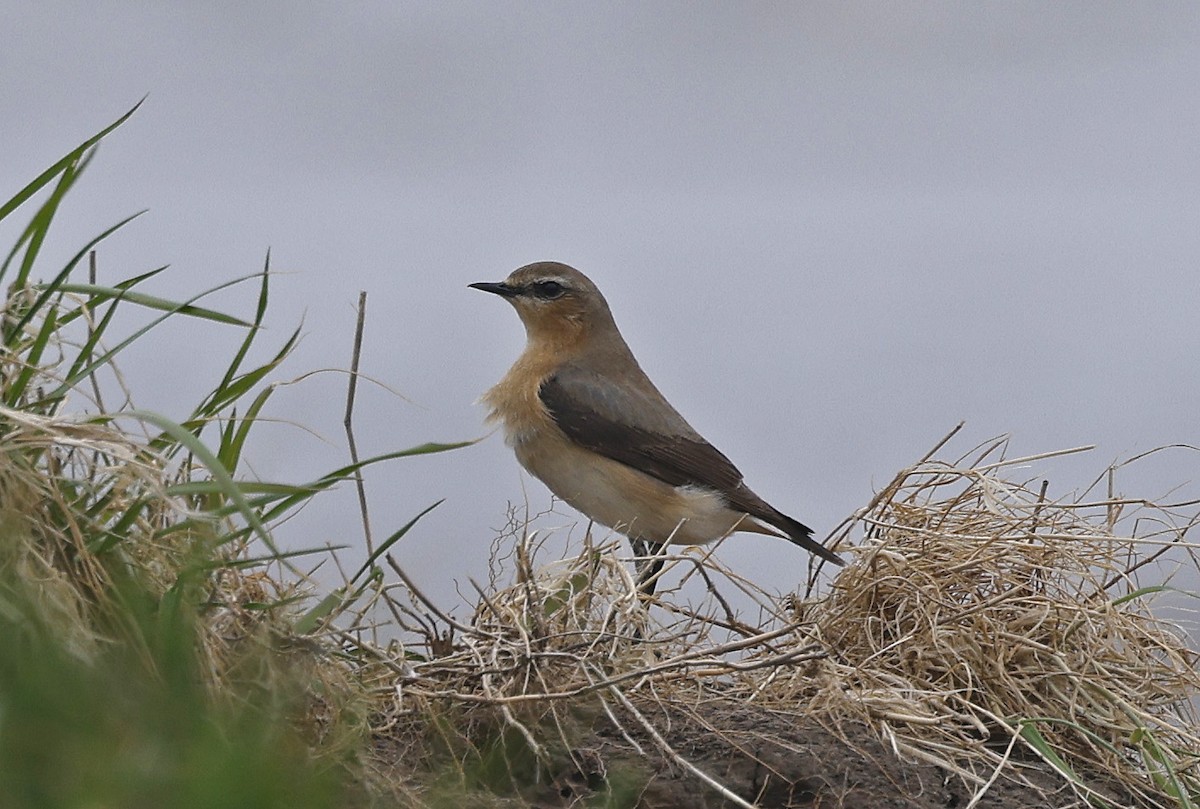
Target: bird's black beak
(502,289)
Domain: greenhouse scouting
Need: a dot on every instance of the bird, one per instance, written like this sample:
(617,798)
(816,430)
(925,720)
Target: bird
(583,417)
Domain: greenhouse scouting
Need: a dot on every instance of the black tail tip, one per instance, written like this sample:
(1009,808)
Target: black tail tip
(801,534)
(830,556)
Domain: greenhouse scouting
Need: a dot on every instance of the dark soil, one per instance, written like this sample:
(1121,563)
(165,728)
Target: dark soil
(770,759)
(776,760)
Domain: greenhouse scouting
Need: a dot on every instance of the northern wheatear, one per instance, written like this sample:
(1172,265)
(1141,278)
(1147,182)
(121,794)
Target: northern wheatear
(583,417)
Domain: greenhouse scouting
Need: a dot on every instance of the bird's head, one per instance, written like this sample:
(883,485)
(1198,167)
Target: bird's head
(558,304)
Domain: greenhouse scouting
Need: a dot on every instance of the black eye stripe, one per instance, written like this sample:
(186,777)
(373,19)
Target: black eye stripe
(547,290)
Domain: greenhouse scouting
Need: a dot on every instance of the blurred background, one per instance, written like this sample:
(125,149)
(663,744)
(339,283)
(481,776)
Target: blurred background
(829,231)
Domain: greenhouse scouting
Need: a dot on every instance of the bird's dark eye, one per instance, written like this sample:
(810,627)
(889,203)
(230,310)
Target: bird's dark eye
(548,290)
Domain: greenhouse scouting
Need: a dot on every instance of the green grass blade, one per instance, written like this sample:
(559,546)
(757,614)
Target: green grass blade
(272,506)
(260,312)
(429,448)
(386,545)
(562,597)
(330,606)
(52,288)
(1139,593)
(1027,729)
(93,301)
(346,472)
(1165,775)
(131,282)
(257,561)
(95,333)
(227,486)
(232,390)
(16,390)
(118,531)
(102,293)
(107,356)
(239,430)
(1030,733)
(310,620)
(49,174)
(35,232)
(248,487)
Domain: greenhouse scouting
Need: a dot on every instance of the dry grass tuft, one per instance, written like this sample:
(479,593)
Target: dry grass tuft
(980,628)
(128,568)
(978,613)
(87,509)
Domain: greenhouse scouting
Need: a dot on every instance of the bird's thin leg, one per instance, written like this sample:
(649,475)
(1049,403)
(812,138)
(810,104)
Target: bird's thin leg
(649,561)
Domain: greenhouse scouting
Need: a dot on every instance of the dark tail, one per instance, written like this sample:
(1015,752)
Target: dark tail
(801,534)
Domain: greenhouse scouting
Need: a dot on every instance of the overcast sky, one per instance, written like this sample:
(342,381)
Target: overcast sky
(829,231)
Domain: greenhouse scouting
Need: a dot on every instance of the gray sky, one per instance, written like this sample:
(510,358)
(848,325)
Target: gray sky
(828,231)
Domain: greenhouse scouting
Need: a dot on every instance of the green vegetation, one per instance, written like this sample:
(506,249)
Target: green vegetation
(152,656)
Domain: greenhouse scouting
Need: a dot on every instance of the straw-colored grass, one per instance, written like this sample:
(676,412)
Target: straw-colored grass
(977,610)
(980,628)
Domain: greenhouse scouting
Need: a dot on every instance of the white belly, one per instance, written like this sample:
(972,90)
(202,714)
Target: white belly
(624,499)
(604,490)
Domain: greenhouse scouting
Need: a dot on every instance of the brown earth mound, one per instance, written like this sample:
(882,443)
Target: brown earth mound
(767,759)
(984,647)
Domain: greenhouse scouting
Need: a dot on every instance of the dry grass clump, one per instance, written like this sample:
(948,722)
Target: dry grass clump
(979,614)
(50,466)
(980,627)
(563,646)
(135,619)
(92,516)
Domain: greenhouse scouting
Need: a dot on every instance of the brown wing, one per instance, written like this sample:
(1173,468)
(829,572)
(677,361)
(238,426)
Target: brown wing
(635,425)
